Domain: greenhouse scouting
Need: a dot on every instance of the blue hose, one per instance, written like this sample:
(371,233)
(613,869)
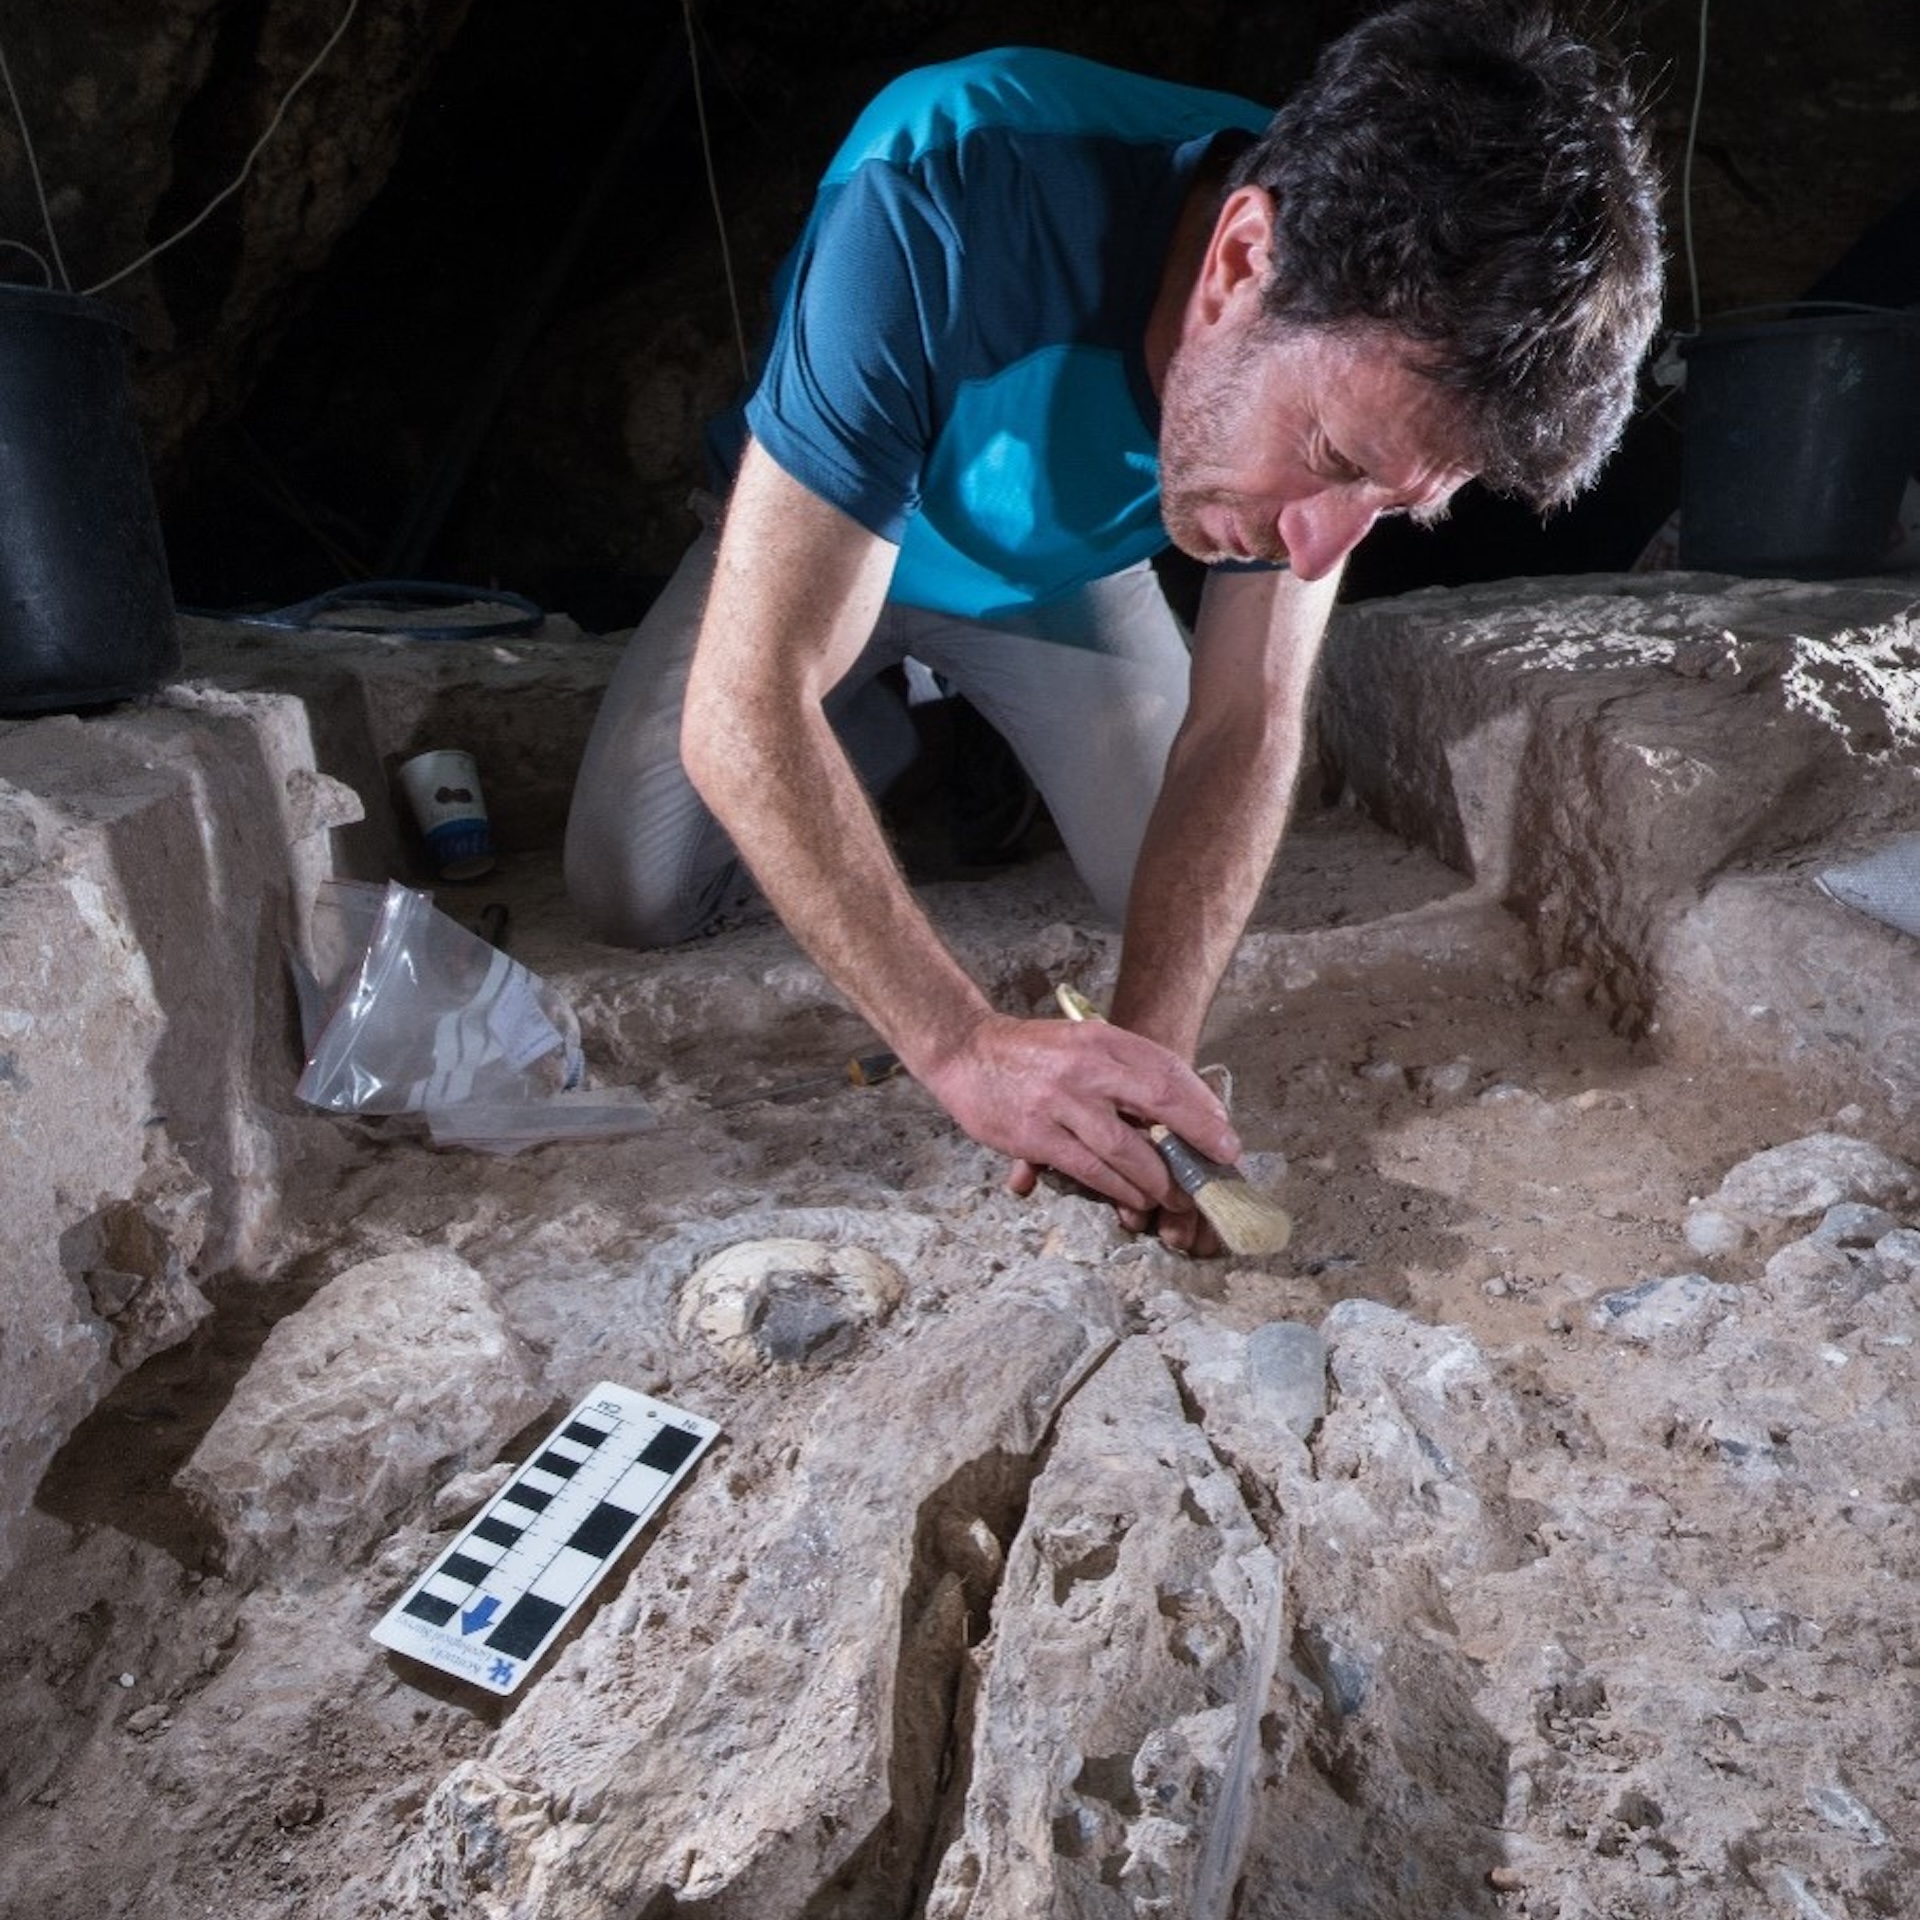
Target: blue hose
(334,609)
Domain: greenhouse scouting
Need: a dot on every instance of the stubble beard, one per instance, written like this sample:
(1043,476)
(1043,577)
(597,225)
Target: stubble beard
(1198,402)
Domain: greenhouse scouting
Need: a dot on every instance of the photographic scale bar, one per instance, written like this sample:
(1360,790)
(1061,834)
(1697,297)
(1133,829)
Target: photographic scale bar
(495,1600)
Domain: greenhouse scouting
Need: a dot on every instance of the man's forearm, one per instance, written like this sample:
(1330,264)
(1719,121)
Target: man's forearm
(1224,802)
(825,865)
(797,588)
(759,749)
(1211,843)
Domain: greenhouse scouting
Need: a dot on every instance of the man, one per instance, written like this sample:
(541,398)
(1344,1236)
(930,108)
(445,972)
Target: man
(1046,317)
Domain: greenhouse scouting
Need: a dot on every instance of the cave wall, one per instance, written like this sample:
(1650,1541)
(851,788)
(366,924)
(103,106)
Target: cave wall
(470,309)
(140,116)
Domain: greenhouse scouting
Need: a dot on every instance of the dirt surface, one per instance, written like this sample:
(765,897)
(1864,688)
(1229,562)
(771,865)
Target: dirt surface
(1681,1686)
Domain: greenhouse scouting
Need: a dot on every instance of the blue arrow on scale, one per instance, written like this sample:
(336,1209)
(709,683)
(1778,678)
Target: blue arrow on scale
(473,1618)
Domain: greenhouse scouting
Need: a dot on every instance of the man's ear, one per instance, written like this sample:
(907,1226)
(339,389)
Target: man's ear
(1239,254)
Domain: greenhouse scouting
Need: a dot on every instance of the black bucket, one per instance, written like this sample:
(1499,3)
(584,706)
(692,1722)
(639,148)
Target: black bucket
(86,611)
(1800,435)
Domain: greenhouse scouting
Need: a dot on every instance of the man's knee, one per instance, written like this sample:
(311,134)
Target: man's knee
(628,900)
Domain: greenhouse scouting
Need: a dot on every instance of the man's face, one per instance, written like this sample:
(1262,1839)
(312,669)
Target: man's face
(1288,446)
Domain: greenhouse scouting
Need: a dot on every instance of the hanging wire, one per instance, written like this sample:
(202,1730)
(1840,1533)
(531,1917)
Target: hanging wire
(713,193)
(1686,171)
(38,258)
(239,180)
(39,185)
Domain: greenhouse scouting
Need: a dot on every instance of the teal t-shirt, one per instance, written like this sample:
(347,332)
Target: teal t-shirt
(958,355)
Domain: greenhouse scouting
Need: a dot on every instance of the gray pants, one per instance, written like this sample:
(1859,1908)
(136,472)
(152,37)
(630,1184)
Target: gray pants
(1088,692)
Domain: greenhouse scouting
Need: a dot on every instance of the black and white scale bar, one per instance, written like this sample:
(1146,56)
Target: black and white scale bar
(491,1605)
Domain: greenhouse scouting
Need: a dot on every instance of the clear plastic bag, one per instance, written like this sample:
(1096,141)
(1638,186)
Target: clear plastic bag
(404,1011)
(433,1016)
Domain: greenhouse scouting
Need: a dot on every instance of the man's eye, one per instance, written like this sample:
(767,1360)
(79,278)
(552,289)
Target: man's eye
(1335,465)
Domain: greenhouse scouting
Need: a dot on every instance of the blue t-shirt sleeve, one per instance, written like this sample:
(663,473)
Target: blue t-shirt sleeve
(848,403)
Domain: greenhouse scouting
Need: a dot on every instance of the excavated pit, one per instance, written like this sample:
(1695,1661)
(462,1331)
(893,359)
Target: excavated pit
(1555,1558)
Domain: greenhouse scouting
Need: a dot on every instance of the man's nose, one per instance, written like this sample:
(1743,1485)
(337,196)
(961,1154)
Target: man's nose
(1321,530)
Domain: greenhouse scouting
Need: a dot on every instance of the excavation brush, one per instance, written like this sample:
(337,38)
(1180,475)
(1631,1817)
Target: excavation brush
(1247,1222)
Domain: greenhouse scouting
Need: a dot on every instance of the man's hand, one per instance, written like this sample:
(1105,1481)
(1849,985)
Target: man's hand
(1074,1098)
(795,593)
(1179,1225)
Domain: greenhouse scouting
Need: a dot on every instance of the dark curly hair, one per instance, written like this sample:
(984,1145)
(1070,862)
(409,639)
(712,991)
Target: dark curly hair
(1477,178)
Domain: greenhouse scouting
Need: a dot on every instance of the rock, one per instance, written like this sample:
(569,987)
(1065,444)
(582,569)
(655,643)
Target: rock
(1898,1255)
(466,1493)
(135,1259)
(1287,1370)
(1813,1273)
(397,1374)
(1842,1811)
(1852,1225)
(1419,1427)
(1710,1232)
(1673,1312)
(1409,1507)
(1133,1646)
(789,1302)
(753,1745)
(1806,1177)
(1448,1081)
(1246,1420)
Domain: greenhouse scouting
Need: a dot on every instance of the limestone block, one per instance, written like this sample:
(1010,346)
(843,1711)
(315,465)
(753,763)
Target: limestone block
(1764,970)
(149,862)
(1803,1178)
(1259,1396)
(399,1374)
(1411,1506)
(774,1700)
(1672,1312)
(80,1025)
(1422,1428)
(1134,1642)
(1597,755)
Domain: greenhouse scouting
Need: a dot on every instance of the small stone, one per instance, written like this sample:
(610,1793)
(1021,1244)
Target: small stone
(1447,1081)
(1504,1093)
(1841,1810)
(1287,1371)
(1567,987)
(1710,1232)
(466,1493)
(1815,1272)
(1897,1254)
(1602,1100)
(1852,1225)
(146,1719)
(1665,1310)
(127,1681)
(297,1804)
